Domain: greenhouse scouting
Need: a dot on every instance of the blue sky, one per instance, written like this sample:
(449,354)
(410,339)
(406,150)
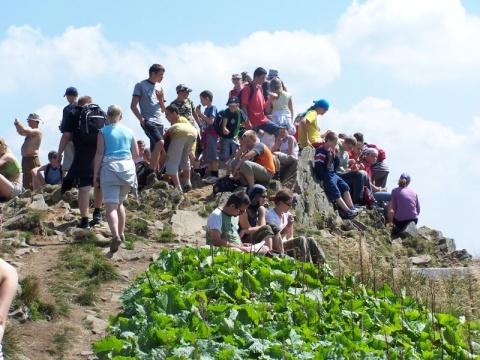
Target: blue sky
(403,72)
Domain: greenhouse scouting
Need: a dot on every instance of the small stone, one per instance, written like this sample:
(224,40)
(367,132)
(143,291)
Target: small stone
(98,325)
(420,260)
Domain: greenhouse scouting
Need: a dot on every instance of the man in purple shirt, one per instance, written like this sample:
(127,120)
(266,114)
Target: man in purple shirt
(404,206)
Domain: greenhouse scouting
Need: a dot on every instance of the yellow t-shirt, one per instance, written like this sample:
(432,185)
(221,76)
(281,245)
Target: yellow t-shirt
(184,120)
(312,129)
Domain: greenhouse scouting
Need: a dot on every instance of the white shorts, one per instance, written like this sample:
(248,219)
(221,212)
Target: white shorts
(115,193)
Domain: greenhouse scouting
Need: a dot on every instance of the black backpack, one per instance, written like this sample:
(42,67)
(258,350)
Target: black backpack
(225,184)
(217,124)
(239,95)
(92,119)
(141,169)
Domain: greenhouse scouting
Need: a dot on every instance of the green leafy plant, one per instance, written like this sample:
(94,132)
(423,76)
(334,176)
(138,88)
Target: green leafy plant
(218,304)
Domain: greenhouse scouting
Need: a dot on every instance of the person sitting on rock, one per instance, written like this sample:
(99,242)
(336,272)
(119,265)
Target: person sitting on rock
(222,224)
(308,131)
(52,173)
(404,206)
(10,174)
(370,156)
(256,166)
(335,188)
(356,179)
(301,248)
(286,150)
(253,226)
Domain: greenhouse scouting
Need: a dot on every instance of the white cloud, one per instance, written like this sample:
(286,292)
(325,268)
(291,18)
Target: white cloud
(425,41)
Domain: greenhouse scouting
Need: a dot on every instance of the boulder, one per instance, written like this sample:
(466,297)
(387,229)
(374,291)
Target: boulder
(408,231)
(186,223)
(38,203)
(310,196)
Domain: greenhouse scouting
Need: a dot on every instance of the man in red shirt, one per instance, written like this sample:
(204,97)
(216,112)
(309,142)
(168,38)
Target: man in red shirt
(254,104)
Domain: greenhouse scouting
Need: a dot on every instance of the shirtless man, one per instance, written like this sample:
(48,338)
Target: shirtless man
(30,147)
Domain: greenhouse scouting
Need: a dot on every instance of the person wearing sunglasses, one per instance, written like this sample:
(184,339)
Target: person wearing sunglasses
(222,224)
(301,248)
(253,226)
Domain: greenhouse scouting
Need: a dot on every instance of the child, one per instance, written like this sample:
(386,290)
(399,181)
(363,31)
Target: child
(209,135)
(232,121)
(52,173)
(308,131)
(335,188)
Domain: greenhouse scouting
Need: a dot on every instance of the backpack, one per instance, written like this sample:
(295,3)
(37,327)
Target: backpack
(141,169)
(92,119)
(368,197)
(239,95)
(225,184)
(217,124)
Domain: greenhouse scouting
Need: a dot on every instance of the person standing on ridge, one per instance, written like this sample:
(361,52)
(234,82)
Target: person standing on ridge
(72,95)
(148,95)
(30,147)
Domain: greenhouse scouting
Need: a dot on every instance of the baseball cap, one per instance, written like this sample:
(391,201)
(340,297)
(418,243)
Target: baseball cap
(183,87)
(405,176)
(71,91)
(283,126)
(236,76)
(233,100)
(272,73)
(322,103)
(34,117)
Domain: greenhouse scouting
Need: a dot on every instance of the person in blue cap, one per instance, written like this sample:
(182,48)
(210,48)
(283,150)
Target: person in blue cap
(308,132)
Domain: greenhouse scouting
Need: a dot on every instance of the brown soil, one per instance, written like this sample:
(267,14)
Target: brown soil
(36,338)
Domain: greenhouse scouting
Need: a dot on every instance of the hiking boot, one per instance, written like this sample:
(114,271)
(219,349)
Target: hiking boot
(84,224)
(187,187)
(351,213)
(97,219)
(115,244)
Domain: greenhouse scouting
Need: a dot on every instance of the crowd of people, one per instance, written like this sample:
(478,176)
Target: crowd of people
(254,137)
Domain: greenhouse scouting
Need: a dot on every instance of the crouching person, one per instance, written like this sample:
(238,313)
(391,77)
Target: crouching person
(52,172)
(222,224)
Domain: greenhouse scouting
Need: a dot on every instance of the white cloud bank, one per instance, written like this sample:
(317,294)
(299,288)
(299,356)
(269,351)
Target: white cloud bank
(419,41)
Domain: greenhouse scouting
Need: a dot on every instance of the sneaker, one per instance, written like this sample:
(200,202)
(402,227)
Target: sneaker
(84,225)
(187,187)
(97,218)
(211,180)
(115,244)
(207,179)
(359,210)
(351,213)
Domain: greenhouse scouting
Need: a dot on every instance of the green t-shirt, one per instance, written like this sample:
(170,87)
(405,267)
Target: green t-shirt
(226,224)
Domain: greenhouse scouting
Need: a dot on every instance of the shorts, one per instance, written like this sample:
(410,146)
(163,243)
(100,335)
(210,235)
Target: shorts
(178,155)
(17,189)
(115,193)
(335,187)
(210,152)
(228,147)
(28,164)
(154,131)
(269,127)
(68,155)
(85,181)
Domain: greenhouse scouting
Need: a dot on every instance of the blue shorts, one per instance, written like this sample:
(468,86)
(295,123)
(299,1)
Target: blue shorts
(228,147)
(269,127)
(154,131)
(210,153)
(334,187)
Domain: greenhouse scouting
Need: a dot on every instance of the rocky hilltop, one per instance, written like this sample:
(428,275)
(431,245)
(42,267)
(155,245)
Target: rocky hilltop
(70,284)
